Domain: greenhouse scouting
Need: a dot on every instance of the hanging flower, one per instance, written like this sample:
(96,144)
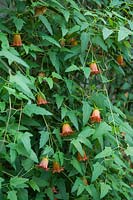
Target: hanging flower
(44,164)
(66,130)
(82,158)
(57,168)
(40,10)
(95,117)
(73,42)
(17,40)
(94,69)
(41,100)
(41,74)
(120,60)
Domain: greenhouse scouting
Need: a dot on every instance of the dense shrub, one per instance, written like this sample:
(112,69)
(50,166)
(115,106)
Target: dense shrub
(66,112)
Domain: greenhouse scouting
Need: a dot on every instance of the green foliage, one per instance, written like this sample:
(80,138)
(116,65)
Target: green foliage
(47,84)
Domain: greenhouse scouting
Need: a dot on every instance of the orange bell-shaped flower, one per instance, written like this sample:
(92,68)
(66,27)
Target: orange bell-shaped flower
(94,69)
(120,60)
(57,168)
(82,158)
(44,164)
(41,74)
(95,117)
(17,40)
(66,130)
(41,100)
(40,10)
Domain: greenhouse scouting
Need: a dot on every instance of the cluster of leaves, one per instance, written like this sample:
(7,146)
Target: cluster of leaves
(61,41)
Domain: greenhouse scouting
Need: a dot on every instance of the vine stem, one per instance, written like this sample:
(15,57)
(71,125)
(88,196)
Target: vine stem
(9,116)
(112,114)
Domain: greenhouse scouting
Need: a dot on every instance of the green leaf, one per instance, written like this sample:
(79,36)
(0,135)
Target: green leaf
(22,194)
(73,118)
(44,138)
(46,24)
(80,189)
(105,153)
(72,68)
(85,37)
(102,129)
(2,106)
(49,81)
(4,40)
(18,182)
(31,109)
(12,195)
(13,58)
(22,83)
(99,41)
(86,71)
(104,189)
(63,112)
(34,186)
(97,171)
(59,100)
(25,139)
(87,109)
(123,33)
(129,151)
(55,75)
(87,131)
(106,33)
(78,146)
(1,180)
(74,5)
(62,189)
(54,60)
(18,23)
(51,40)
(76,165)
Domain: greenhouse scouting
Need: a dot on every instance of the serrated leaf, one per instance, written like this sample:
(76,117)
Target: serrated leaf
(25,139)
(30,109)
(104,189)
(87,109)
(76,165)
(44,138)
(63,112)
(55,75)
(34,186)
(18,23)
(87,131)
(86,71)
(4,40)
(22,83)
(18,182)
(97,171)
(78,146)
(49,81)
(13,58)
(72,68)
(12,195)
(54,60)
(105,153)
(123,33)
(106,33)
(51,40)
(46,23)
(85,37)
(73,118)
(59,100)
